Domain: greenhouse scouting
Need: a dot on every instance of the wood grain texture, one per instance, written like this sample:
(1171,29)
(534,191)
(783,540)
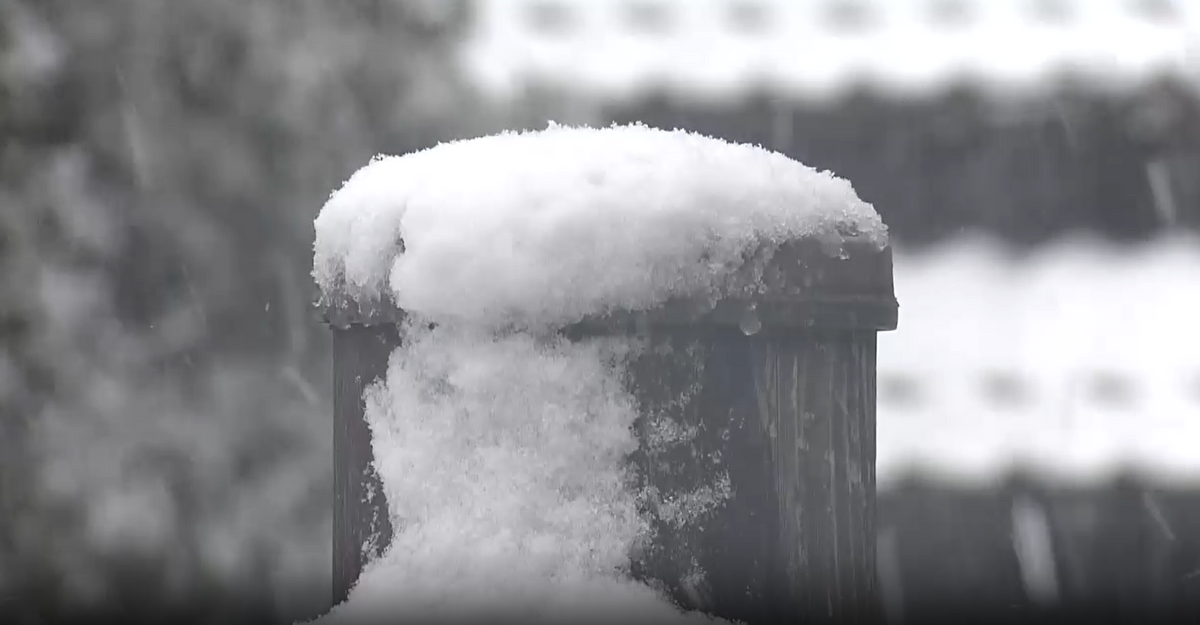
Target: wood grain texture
(816,401)
(361,526)
(789,417)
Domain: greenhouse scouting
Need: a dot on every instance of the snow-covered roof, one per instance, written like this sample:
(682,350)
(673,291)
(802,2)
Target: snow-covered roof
(1075,364)
(815,49)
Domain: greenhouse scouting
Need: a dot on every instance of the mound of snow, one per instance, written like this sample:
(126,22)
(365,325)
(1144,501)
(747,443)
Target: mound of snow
(554,225)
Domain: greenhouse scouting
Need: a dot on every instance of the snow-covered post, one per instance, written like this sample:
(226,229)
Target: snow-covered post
(739,295)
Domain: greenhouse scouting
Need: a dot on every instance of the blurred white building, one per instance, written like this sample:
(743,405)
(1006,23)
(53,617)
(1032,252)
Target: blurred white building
(820,49)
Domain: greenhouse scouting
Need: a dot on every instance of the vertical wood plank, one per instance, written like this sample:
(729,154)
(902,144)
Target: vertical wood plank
(361,527)
(791,417)
(815,396)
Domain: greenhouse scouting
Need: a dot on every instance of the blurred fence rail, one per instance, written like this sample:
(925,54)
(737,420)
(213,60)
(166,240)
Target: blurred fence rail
(1122,550)
(1125,167)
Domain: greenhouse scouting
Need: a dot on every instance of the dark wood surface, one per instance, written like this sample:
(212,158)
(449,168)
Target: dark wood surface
(816,398)
(361,526)
(789,418)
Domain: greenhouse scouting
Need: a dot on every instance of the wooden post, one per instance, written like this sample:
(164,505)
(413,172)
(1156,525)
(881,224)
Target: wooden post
(781,394)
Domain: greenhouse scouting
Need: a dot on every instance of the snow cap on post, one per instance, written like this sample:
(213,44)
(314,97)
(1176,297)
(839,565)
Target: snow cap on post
(566,224)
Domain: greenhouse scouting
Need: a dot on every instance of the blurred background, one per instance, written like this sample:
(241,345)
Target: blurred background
(165,384)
